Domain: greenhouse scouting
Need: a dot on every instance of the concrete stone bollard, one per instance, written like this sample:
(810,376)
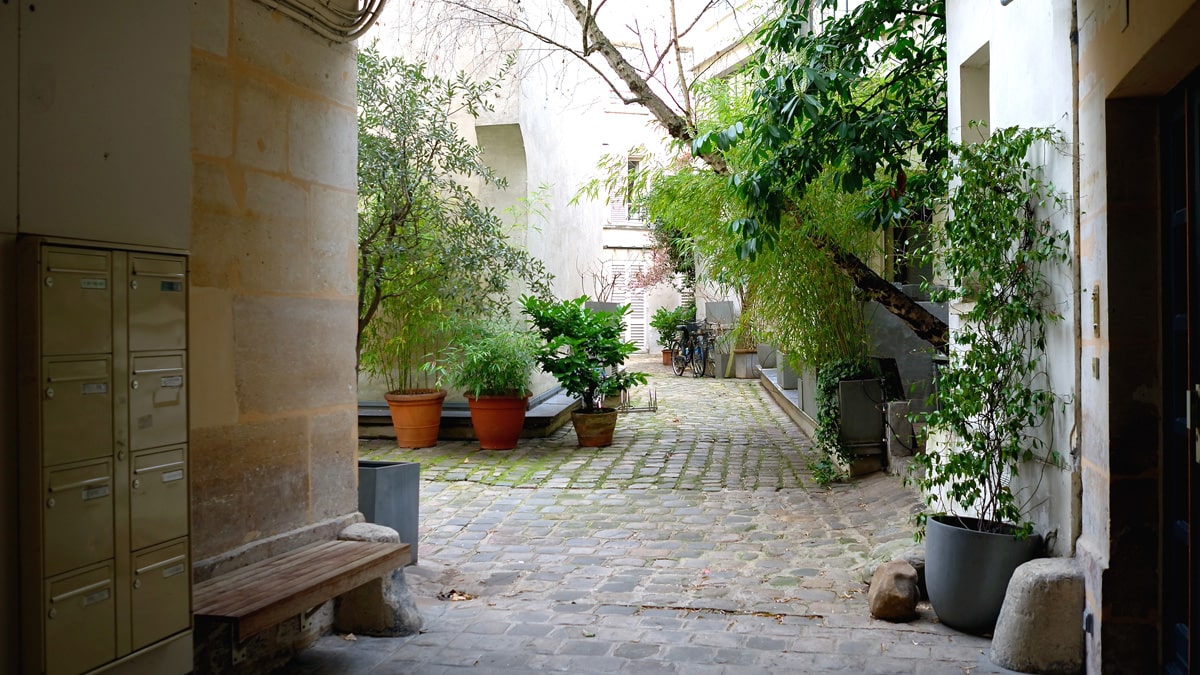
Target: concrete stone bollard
(1040,629)
(382,607)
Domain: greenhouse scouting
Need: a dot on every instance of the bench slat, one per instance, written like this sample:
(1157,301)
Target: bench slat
(245,579)
(248,585)
(262,595)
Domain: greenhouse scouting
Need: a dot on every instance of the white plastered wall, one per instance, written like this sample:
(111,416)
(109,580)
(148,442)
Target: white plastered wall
(1028,72)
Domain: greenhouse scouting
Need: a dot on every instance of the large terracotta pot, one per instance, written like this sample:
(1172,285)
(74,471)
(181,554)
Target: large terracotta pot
(595,430)
(498,420)
(416,416)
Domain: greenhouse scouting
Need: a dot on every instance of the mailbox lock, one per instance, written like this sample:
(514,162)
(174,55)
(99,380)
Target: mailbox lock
(49,282)
(134,384)
(50,503)
(49,392)
(137,483)
(133,284)
(52,613)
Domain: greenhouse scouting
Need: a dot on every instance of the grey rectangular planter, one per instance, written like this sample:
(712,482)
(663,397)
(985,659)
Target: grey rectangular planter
(788,378)
(389,494)
(767,356)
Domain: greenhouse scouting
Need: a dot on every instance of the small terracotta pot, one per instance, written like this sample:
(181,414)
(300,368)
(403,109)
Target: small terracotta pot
(416,416)
(667,354)
(498,420)
(595,430)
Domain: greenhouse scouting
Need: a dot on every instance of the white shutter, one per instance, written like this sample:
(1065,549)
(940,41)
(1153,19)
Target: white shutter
(635,320)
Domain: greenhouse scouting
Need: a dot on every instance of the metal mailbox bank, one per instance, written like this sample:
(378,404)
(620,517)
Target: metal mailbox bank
(105,555)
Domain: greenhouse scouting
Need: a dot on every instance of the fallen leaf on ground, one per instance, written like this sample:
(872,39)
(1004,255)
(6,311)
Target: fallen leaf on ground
(349,637)
(454,596)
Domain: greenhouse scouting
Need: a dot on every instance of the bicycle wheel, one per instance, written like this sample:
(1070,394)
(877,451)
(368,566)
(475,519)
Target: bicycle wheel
(699,360)
(679,360)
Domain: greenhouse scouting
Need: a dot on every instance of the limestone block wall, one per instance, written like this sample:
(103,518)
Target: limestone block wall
(273,295)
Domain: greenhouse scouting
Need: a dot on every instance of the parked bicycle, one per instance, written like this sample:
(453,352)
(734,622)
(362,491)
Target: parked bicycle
(692,347)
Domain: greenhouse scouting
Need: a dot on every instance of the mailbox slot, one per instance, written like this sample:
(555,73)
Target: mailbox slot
(76,409)
(76,301)
(161,593)
(157,303)
(157,400)
(80,618)
(158,497)
(78,507)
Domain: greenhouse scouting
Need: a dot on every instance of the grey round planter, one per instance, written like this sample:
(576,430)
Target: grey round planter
(967,571)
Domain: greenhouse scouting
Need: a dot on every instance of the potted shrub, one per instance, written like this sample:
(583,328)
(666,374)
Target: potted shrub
(666,321)
(995,251)
(428,250)
(402,346)
(583,350)
(493,361)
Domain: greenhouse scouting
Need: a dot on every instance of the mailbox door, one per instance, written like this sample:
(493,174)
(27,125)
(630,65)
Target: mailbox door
(161,596)
(157,302)
(76,301)
(157,400)
(158,497)
(78,509)
(80,620)
(76,409)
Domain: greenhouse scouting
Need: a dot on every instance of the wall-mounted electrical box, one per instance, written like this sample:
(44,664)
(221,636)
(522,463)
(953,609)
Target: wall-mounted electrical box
(105,553)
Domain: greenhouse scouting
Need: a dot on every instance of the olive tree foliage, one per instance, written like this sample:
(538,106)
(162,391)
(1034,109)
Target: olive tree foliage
(860,100)
(429,253)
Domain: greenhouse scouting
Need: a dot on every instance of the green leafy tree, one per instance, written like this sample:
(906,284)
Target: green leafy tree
(582,348)
(863,96)
(429,253)
(996,251)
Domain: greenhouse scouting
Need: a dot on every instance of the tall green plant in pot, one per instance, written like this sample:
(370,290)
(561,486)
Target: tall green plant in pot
(995,252)
(493,360)
(583,350)
(428,250)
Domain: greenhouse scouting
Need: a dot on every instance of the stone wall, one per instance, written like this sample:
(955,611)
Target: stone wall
(273,296)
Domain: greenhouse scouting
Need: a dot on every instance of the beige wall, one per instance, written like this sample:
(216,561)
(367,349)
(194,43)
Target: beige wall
(273,297)
(1127,49)
(103,128)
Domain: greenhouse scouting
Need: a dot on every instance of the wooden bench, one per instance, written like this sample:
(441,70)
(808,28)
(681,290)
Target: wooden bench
(264,594)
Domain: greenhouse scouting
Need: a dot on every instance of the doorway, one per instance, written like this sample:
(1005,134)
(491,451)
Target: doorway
(1180,155)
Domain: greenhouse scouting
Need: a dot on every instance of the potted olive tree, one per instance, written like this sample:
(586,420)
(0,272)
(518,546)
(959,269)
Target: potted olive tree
(493,361)
(583,350)
(428,250)
(995,251)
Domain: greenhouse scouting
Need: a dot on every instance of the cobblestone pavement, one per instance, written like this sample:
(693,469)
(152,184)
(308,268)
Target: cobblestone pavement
(697,543)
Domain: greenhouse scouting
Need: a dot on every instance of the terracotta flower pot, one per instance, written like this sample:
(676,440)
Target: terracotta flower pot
(667,354)
(595,430)
(498,420)
(416,416)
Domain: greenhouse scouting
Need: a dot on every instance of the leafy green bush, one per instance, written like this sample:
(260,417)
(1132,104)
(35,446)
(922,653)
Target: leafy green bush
(492,358)
(582,348)
(665,320)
